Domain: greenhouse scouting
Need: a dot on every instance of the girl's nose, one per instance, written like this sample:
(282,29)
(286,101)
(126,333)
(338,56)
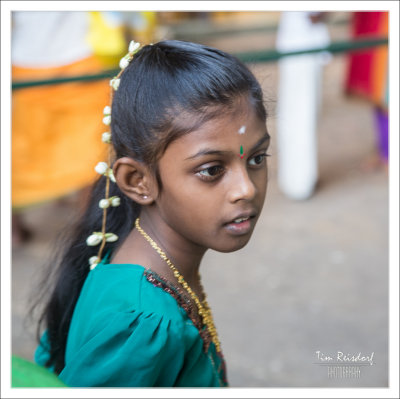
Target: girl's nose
(242,187)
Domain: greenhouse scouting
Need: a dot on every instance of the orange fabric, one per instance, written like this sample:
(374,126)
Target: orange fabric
(380,65)
(368,69)
(56,133)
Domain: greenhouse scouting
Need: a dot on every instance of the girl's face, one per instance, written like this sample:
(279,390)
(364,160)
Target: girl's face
(214,182)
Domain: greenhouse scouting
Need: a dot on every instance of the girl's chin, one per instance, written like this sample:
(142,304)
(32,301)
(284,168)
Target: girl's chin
(237,244)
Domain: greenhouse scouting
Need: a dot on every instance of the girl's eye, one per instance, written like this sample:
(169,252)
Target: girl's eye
(211,173)
(258,159)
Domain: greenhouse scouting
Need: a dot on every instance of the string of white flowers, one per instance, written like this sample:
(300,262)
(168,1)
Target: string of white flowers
(103,168)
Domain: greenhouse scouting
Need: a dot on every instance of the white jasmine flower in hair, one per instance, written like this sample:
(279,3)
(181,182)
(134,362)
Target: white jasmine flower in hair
(94,261)
(111,175)
(124,61)
(107,120)
(106,137)
(114,83)
(101,168)
(94,239)
(111,237)
(107,110)
(133,47)
(104,203)
(115,201)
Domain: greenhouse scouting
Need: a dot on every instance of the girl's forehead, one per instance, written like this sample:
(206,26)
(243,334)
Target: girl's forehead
(225,132)
(240,122)
(213,115)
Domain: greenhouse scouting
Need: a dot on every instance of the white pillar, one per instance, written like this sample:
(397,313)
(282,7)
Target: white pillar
(298,103)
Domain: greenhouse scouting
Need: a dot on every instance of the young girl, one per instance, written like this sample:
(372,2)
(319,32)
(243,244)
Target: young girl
(189,173)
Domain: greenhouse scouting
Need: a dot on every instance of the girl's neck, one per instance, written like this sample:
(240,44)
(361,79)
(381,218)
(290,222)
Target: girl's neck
(183,254)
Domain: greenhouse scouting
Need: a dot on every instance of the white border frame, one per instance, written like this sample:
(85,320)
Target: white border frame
(8,6)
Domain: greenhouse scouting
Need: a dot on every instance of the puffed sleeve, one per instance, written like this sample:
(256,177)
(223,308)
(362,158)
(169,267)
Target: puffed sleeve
(132,349)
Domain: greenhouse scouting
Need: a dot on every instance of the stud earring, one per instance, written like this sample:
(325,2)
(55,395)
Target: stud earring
(145,196)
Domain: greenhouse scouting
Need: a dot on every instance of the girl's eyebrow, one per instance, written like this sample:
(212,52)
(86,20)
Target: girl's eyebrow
(263,139)
(207,151)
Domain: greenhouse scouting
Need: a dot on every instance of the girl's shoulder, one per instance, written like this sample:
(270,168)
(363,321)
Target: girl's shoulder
(127,331)
(130,328)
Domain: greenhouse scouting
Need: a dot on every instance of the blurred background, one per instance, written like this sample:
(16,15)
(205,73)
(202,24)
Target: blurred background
(314,277)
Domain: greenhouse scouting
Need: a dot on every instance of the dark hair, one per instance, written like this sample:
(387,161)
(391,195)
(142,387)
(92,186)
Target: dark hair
(167,90)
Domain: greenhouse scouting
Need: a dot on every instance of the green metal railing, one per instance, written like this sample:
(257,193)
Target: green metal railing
(199,30)
(336,47)
(248,57)
(70,79)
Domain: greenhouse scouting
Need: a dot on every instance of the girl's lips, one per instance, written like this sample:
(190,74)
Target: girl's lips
(244,227)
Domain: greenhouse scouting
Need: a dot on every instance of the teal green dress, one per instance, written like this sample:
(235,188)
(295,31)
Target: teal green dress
(131,328)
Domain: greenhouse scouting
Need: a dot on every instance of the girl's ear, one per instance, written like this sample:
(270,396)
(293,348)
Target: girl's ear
(135,180)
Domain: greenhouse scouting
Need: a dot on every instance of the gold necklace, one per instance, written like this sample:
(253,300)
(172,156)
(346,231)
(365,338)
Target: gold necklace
(202,307)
